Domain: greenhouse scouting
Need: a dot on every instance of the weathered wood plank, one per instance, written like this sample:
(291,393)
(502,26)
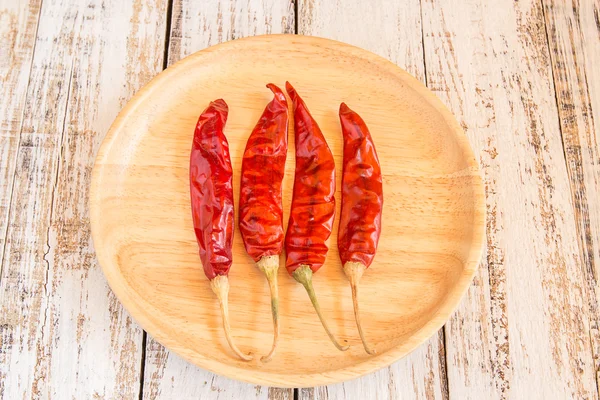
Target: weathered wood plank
(392,30)
(196,25)
(417,376)
(18,25)
(168,376)
(574,36)
(523,331)
(64,334)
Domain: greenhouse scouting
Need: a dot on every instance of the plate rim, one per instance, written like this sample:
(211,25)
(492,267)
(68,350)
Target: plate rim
(256,376)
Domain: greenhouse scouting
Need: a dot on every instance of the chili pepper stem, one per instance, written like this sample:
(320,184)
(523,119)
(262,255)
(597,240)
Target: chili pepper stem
(354,271)
(303,275)
(269,266)
(220,285)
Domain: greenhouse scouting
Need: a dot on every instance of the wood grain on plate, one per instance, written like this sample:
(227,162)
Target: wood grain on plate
(433,216)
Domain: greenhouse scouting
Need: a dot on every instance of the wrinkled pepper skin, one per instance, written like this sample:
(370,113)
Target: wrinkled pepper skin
(313,203)
(263,167)
(362,192)
(211,191)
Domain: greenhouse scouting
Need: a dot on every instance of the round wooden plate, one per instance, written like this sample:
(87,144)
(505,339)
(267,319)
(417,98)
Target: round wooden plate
(433,217)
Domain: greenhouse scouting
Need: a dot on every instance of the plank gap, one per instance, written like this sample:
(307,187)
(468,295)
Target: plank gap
(143,366)
(443,360)
(296,32)
(423,47)
(168,17)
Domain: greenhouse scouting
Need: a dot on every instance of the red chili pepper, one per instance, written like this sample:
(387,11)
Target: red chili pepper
(362,204)
(211,193)
(313,203)
(261,209)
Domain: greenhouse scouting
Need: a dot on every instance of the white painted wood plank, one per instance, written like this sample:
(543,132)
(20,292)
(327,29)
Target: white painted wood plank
(524,330)
(64,334)
(389,29)
(18,25)
(168,376)
(392,30)
(200,24)
(195,26)
(573,33)
(417,376)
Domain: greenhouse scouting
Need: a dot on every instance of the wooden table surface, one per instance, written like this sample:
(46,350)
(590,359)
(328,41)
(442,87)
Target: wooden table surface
(522,78)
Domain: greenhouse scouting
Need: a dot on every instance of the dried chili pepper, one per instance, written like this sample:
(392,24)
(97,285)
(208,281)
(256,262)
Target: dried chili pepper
(211,194)
(261,209)
(313,203)
(362,204)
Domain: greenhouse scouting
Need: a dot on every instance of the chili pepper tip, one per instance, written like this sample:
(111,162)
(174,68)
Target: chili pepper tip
(278,93)
(289,88)
(344,108)
(220,103)
(293,95)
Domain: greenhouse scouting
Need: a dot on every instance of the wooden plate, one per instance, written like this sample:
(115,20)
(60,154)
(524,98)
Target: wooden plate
(433,217)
